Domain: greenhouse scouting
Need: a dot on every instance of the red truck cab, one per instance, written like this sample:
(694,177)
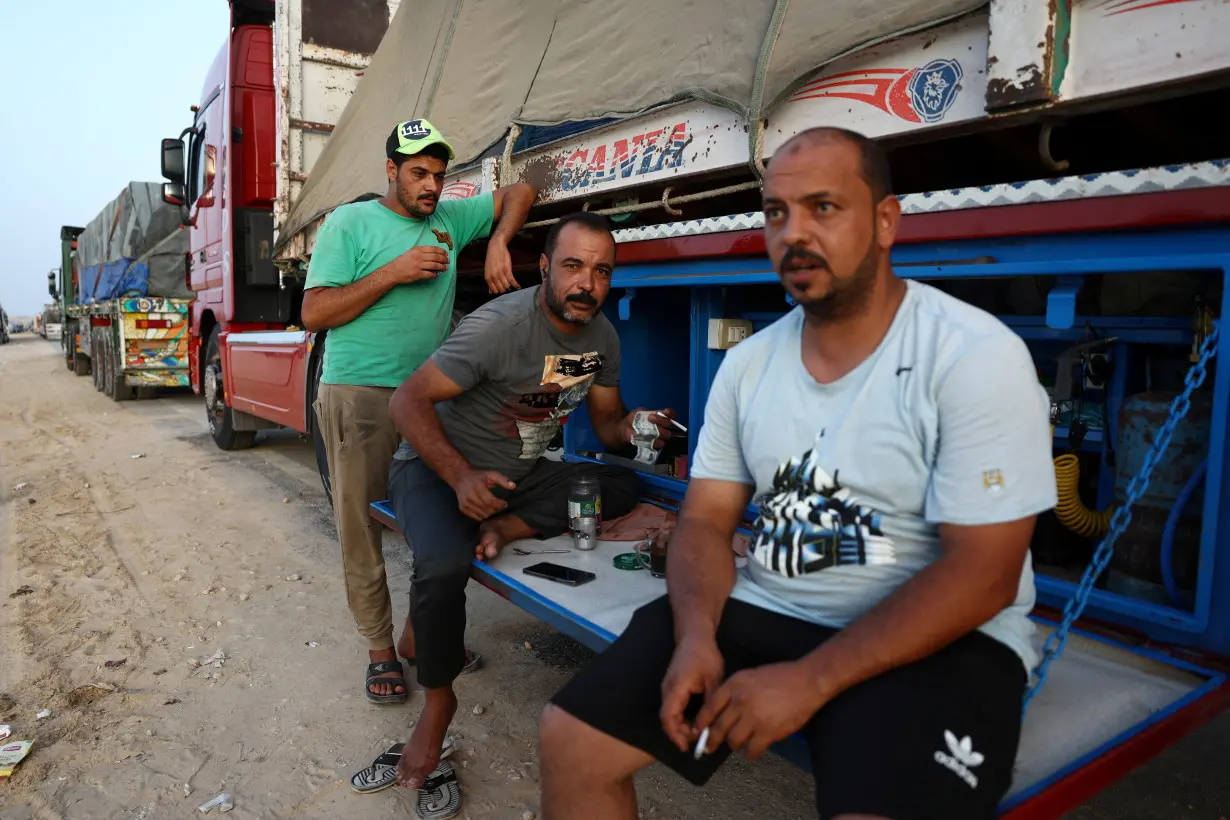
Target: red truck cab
(223,172)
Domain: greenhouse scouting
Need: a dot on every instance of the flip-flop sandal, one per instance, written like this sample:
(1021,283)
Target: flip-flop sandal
(375,670)
(440,796)
(383,771)
(473,662)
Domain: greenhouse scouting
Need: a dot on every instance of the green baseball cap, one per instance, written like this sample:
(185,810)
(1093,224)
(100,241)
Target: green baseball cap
(412,136)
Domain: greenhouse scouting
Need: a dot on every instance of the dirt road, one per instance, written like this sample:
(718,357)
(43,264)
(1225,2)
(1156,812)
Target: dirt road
(150,553)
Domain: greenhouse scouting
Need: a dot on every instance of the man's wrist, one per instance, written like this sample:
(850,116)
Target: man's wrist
(827,672)
(453,473)
(695,630)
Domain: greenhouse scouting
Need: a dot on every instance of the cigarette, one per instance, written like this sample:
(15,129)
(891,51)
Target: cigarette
(672,421)
(703,742)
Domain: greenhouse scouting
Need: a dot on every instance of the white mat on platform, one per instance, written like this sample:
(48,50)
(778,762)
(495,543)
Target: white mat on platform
(1094,692)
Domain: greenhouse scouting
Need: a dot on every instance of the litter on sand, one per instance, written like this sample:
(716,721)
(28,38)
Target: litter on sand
(222,803)
(20,487)
(46,713)
(137,455)
(5,731)
(13,754)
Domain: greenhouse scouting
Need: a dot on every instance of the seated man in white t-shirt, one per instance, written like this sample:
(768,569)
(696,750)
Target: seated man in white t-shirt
(897,443)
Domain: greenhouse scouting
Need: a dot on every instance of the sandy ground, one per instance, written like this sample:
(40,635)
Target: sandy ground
(165,560)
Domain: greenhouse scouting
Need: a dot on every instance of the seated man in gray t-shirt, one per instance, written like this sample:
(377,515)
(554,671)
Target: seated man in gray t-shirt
(476,419)
(897,444)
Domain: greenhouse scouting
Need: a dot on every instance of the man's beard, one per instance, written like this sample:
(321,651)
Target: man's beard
(848,297)
(562,309)
(413,207)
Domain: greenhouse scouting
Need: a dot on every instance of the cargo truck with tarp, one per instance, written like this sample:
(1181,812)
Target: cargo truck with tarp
(127,273)
(1056,166)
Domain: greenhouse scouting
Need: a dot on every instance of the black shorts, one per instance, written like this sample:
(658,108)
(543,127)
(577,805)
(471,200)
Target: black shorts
(893,746)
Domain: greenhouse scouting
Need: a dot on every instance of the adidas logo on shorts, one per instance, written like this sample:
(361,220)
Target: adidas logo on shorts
(960,758)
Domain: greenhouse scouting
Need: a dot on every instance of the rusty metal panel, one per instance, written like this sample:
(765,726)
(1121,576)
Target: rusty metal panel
(1124,44)
(321,49)
(347,25)
(1027,52)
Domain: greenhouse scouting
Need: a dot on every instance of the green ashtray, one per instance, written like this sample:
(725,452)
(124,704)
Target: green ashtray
(627,560)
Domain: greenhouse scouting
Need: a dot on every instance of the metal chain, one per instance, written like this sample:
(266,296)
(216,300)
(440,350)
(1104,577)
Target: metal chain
(1123,515)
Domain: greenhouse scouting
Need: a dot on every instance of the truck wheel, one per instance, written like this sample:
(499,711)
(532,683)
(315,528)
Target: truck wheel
(116,387)
(96,360)
(67,343)
(318,439)
(217,414)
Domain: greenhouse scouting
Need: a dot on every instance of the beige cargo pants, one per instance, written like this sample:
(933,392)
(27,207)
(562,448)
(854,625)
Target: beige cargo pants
(359,442)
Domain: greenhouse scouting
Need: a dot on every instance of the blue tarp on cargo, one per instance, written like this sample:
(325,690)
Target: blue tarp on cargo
(116,255)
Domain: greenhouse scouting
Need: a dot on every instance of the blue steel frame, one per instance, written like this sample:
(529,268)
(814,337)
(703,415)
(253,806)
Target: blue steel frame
(1207,626)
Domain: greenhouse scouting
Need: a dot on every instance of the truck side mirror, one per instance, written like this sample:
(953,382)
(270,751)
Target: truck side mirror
(51,285)
(172,162)
(173,193)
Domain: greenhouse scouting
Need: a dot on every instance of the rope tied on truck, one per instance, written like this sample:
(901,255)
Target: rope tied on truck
(1122,517)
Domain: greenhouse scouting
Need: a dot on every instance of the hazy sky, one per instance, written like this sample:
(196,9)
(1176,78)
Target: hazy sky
(89,89)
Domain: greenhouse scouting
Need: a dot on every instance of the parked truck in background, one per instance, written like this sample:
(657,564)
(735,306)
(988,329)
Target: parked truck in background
(128,310)
(268,103)
(50,324)
(62,285)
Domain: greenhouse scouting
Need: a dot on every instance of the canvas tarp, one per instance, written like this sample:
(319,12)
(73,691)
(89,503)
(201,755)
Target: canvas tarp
(472,67)
(128,227)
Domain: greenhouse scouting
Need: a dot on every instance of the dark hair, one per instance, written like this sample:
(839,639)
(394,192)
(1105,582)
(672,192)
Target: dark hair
(873,158)
(435,150)
(594,222)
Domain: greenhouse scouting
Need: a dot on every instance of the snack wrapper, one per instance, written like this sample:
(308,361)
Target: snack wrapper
(13,753)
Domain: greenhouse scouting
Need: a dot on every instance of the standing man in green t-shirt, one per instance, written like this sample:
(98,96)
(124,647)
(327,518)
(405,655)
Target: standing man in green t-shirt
(382,280)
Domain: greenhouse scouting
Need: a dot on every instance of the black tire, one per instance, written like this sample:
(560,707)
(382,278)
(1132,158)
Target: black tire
(67,343)
(218,415)
(116,387)
(97,366)
(318,439)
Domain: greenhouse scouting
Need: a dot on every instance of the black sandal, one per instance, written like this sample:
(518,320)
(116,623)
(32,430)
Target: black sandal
(440,797)
(375,670)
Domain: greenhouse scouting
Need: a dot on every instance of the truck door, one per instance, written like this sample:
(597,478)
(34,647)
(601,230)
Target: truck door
(206,192)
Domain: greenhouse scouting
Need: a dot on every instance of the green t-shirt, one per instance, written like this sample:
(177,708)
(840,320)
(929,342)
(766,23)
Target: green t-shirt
(389,340)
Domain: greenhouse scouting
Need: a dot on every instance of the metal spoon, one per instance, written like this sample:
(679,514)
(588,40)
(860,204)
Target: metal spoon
(520,551)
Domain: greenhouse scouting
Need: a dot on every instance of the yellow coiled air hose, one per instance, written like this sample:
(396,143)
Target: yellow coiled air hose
(1071,511)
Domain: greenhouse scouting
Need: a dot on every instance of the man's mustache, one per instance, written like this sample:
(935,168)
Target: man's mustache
(581,298)
(800,258)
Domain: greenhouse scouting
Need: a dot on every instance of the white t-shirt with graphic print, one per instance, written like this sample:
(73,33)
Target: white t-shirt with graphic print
(944,423)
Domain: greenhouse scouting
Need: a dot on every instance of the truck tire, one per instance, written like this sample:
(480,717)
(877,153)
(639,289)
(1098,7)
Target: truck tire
(218,415)
(68,343)
(96,361)
(318,439)
(116,388)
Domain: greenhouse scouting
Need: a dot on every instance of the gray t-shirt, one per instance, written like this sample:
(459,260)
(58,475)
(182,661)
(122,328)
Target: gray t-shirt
(521,377)
(944,423)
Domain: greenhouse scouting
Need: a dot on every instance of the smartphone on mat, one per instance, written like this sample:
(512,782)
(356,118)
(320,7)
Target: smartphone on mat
(560,574)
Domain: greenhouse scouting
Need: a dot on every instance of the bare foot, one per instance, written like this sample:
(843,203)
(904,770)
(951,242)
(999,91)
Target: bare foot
(494,533)
(421,755)
(396,684)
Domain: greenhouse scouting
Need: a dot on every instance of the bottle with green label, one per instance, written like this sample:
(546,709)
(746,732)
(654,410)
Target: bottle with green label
(584,512)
